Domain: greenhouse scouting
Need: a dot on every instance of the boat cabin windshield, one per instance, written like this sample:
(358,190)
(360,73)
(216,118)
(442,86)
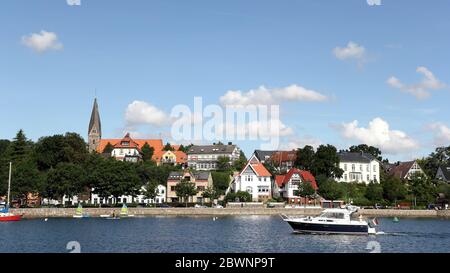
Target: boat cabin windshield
(334,215)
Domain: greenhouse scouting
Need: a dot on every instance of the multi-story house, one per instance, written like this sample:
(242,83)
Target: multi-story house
(254,179)
(287,185)
(205,157)
(443,173)
(201,179)
(359,167)
(405,170)
(127,150)
(175,157)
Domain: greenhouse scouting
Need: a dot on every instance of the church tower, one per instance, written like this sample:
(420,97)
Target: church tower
(95,129)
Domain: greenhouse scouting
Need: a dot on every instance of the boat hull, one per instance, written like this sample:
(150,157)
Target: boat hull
(10,218)
(302,227)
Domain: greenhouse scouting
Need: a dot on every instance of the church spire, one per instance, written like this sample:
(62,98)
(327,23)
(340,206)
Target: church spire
(95,128)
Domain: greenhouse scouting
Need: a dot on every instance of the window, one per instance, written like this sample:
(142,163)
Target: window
(360,167)
(249,189)
(374,178)
(353,167)
(345,177)
(345,167)
(263,189)
(368,167)
(172,188)
(374,168)
(368,178)
(201,188)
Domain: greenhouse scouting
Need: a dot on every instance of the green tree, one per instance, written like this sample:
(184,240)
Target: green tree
(26,179)
(151,189)
(239,164)
(114,178)
(210,193)
(221,181)
(375,152)
(326,162)
(306,190)
(223,163)
(305,158)
(65,179)
(168,147)
(240,196)
(374,192)
(20,148)
(423,191)
(51,150)
(108,148)
(331,190)
(185,149)
(147,152)
(430,164)
(4,144)
(393,189)
(185,189)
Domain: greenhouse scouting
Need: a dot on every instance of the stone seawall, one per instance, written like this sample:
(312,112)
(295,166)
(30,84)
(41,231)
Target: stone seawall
(95,212)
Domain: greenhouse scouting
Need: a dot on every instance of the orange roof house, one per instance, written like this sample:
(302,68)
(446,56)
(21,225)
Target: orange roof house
(159,155)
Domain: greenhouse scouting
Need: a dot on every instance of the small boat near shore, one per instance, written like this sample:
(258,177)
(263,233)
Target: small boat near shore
(79,212)
(5,215)
(124,211)
(332,221)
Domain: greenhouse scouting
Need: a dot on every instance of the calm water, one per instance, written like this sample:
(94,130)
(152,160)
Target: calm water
(202,234)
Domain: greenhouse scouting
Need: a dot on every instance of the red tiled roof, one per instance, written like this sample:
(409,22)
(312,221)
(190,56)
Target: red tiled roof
(157,144)
(305,175)
(258,167)
(283,156)
(129,140)
(279,180)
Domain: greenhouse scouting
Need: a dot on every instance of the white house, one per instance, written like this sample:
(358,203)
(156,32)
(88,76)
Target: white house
(254,179)
(359,167)
(127,150)
(205,157)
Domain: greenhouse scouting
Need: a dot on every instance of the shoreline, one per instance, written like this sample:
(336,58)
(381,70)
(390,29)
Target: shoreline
(32,213)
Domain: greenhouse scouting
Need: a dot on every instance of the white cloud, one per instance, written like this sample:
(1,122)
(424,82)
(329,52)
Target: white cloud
(42,41)
(266,96)
(374,2)
(420,90)
(379,134)
(300,142)
(140,112)
(441,133)
(352,51)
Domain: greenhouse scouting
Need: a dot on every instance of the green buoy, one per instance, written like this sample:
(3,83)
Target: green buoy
(395,220)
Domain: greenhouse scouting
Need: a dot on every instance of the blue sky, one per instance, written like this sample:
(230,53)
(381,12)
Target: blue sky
(163,53)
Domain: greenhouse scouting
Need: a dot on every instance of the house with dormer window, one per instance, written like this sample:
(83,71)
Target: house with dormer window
(254,179)
(287,185)
(127,150)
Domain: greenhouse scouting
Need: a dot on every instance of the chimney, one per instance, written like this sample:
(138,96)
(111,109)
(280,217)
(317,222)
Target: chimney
(230,143)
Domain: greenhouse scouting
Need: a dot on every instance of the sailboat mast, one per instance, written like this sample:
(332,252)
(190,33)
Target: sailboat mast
(9,183)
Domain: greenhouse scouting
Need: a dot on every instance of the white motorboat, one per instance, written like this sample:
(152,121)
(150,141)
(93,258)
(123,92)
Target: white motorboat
(333,221)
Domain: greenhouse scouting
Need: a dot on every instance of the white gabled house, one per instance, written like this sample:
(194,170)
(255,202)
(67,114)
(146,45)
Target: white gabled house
(254,179)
